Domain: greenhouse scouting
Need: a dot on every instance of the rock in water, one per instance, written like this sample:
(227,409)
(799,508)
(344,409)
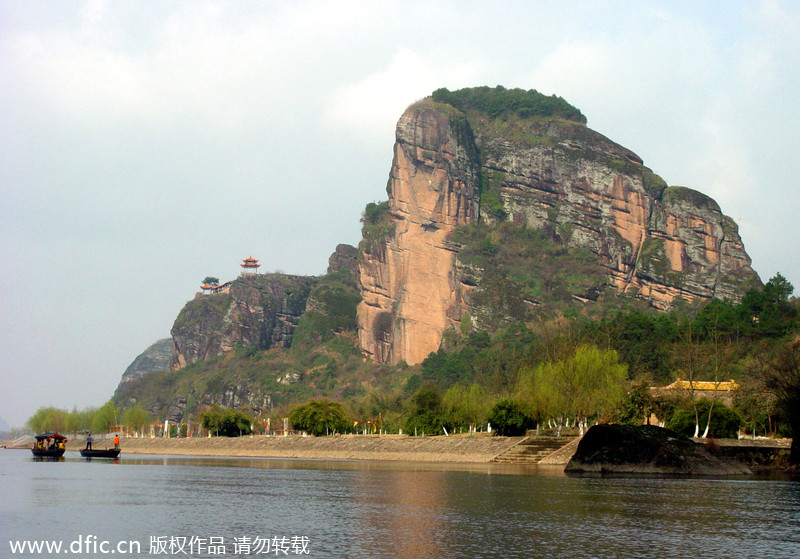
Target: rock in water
(646,449)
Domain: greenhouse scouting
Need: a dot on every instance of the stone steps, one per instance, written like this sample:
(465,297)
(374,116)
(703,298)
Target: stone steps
(532,450)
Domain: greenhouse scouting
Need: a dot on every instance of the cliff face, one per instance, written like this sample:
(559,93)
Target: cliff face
(407,279)
(259,311)
(454,167)
(663,242)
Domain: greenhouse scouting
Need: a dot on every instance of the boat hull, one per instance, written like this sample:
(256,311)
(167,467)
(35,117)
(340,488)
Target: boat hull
(48,453)
(100,453)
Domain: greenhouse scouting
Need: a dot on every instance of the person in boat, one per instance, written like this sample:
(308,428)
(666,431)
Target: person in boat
(116,441)
(89,441)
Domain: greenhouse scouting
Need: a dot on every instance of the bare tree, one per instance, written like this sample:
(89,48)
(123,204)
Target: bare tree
(782,376)
(718,363)
(690,366)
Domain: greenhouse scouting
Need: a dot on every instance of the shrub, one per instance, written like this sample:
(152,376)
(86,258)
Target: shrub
(510,419)
(499,101)
(377,227)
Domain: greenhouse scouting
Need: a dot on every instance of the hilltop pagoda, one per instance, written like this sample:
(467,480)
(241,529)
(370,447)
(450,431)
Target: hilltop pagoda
(250,266)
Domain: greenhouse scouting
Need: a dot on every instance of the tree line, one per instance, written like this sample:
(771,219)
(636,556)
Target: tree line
(104,419)
(561,373)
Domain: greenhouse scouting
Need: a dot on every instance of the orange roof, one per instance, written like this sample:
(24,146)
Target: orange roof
(250,263)
(219,287)
(703,385)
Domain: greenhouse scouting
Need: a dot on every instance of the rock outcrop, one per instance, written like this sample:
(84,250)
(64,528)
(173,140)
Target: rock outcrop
(407,283)
(645,449)
(258,311)
(456,166)
(344,258)
(157,357)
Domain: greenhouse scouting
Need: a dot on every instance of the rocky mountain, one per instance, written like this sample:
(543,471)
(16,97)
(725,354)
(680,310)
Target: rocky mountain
(503,207)
(497,156)
(259,311)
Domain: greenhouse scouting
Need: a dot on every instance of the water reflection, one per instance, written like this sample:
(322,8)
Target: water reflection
(347,465)
(406,510)
(399,509)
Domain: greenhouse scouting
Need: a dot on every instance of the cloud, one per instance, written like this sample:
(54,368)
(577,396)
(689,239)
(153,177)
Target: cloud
(371,107)
(145,145)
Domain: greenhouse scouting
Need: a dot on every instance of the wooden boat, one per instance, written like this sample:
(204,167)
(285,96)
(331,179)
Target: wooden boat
(49,445)
(100,452)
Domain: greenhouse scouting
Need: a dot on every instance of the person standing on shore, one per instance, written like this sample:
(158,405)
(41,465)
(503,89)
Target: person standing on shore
(116,441)
(89,441)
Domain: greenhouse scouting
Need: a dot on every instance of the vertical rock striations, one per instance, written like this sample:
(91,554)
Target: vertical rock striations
(407,278)
(456,163)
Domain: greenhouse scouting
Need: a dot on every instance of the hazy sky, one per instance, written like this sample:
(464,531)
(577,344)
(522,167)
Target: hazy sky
(146,145)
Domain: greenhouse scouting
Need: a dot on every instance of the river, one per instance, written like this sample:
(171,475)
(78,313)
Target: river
(146,506)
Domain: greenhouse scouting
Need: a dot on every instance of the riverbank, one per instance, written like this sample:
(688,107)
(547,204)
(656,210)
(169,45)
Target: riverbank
(759,455)
(462,449)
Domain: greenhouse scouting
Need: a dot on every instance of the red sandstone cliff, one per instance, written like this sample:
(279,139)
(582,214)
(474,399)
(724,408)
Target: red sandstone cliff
(407,284)
(651,240)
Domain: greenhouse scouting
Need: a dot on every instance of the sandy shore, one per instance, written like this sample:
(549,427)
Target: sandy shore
(462,449)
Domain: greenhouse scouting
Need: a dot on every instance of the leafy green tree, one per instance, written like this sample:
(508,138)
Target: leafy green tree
(83,420)
(589,384)
(211,280)
(637,407)
(48,419)
(642,340)
(466,406)
(425,414)
(227,422)
(768,312)
(320,417)
(106,418)
(510,418)
(235,423)
(211,419)
(135,418)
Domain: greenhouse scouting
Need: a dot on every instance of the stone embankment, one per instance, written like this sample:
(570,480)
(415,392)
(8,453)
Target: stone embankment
(758,455)
(535,450)
(387,447)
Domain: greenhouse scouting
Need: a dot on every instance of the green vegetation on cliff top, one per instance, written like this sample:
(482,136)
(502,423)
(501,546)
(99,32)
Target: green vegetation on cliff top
(498,101)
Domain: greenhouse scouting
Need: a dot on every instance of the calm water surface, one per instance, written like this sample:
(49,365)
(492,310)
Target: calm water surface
(389,509)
